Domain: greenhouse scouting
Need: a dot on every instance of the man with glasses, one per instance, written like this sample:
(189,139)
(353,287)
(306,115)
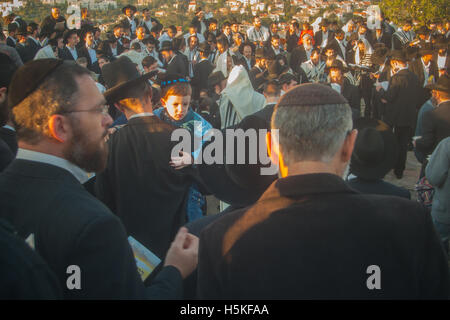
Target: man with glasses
(62,125)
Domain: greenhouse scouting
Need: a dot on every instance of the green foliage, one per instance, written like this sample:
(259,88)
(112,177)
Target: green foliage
(420,10)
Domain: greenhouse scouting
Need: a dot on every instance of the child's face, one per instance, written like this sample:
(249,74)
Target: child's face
(177,106)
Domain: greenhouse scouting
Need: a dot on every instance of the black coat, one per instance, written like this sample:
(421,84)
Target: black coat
(139,185)
(257,77)
(179,65)
(10,42)
(313,237)
(83,52)
(9,136)
(435,128)
(202,70)
(385,38)
(417,68)
(71,227)
(379,187)
(6,155)
(353,96)
(24,275)
(402,99)
(65,54)
(291,42)
(28,50)
(318,37)
(298,56)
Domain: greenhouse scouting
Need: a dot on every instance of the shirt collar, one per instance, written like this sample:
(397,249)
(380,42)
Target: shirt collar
(81,175)
(139,115)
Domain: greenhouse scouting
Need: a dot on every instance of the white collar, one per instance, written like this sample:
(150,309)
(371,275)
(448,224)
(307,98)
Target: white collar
(81,175)
(423,63)
(139,115)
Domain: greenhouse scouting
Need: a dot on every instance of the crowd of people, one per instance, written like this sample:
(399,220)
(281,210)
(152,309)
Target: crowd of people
(86,158)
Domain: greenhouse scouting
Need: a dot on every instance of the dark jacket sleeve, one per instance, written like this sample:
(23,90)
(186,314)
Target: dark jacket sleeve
(434,274)
(426,143)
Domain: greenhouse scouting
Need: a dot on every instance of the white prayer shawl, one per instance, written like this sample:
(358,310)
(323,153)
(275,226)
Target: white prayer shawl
(369,51)
(244,99)
(45,53)
(221,62)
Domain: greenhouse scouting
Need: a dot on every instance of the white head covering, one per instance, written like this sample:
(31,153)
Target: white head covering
(239,91)
(45,53)
(369,50)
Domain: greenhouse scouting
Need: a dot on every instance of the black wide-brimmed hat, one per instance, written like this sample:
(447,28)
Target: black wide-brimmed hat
(166,46)
(129,6)
(123,80)
(239,185)
(336,64)
(442,84)
(375,152)
(398,55)
(215,78)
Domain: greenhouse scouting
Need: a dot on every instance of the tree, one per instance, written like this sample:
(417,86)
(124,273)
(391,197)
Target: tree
(420,10)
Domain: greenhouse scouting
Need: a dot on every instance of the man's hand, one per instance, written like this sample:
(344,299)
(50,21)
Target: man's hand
(183,253)
(184,160)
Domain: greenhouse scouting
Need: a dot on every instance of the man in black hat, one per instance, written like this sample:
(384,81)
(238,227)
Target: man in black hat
(402,98)
(403,36)
(436,122)
(323,36)
(62,122)
(216,83)
(374,155)
(175,62)
(55,21)
(202,70)
(133,21)
(258,72)
(441,56)
(139,185)
(426,71)
(70,50)
(310,236)
(343,86)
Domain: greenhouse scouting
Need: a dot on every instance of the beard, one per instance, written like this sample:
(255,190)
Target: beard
(89,155)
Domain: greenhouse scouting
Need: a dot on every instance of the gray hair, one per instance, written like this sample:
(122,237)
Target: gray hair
(312,133)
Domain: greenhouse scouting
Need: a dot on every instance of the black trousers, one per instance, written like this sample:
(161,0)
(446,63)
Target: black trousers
(403,135)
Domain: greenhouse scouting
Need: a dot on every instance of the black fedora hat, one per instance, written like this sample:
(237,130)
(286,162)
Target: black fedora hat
(239,185)
(398,55)
(123,80)
(375,152)
(443,84)
(215,78)
(129,6)
(166,46)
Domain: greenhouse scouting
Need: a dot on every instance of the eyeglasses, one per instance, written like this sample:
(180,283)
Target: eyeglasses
(103,110)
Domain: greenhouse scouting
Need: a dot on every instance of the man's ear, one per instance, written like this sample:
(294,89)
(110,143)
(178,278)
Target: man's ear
(59,128)
(272,148)
(349,144)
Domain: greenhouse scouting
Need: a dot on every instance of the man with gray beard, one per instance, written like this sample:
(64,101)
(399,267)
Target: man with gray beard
(310,236)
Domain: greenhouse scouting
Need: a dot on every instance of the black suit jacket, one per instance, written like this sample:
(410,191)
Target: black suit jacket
(402,99)
(385,38)
(27,50)
(318,37)
(179,64)
(417,68)
(71,227)
(9,136)
(298,56)
(291,42)
(435,128)
(313,237)
(140,186)
(353,96)
(10,42)
(257,77)
(67,55)
(202,70)
(83,52)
